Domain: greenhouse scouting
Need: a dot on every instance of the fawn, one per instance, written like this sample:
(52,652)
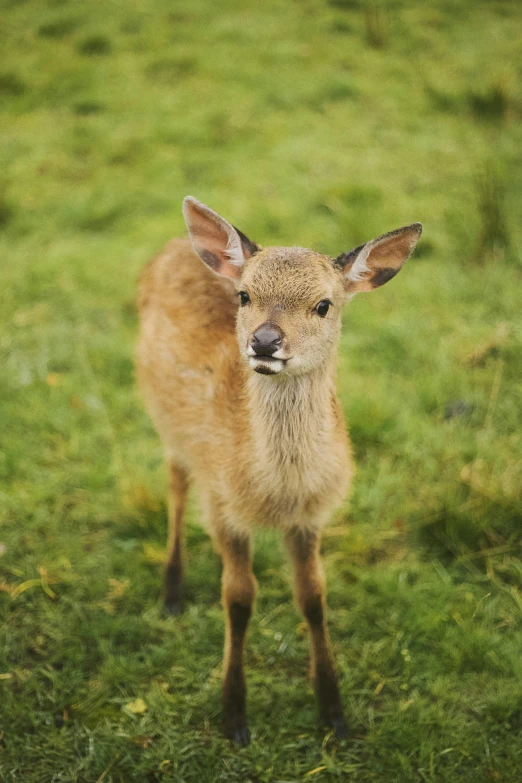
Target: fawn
(237,364)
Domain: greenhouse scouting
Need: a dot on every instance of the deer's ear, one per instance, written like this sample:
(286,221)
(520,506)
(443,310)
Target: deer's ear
(371,265)
(221,246)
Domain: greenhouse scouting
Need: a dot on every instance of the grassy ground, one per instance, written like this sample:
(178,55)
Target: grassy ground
(315,123)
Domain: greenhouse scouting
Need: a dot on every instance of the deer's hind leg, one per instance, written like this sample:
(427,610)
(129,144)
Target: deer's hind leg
(239,588)
(177,500)
(303,546)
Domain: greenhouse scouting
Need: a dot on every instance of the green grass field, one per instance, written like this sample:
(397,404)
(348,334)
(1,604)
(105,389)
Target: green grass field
(314,123)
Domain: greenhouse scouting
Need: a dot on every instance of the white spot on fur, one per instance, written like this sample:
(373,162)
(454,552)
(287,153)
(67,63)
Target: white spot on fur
(234,250)
(359,269)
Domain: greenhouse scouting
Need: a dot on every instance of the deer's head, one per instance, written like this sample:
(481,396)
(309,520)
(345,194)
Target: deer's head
(289,298)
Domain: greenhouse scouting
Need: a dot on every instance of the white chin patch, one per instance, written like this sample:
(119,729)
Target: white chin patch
(265,366)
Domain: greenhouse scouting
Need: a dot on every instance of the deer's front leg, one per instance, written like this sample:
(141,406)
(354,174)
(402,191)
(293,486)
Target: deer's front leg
(239,588)
(303,546)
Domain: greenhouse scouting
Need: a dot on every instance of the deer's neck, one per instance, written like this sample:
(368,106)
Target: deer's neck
(292,419)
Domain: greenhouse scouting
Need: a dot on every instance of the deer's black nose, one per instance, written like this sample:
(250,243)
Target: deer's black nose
(266,340)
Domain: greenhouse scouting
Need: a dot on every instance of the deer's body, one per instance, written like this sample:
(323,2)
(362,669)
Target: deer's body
(246,407)
(266,453)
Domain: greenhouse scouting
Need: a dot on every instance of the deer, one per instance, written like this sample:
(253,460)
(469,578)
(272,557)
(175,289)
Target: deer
(237,363)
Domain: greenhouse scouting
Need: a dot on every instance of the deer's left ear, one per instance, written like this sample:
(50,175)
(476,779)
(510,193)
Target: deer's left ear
(371,265)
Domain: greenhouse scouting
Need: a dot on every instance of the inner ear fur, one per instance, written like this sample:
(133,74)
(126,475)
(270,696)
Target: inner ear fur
(220,246)
(371,265)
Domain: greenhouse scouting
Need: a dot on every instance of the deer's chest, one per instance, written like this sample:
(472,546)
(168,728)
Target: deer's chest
(288,487)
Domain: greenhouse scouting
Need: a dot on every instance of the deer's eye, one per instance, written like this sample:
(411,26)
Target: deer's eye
(243,298)
(323,307)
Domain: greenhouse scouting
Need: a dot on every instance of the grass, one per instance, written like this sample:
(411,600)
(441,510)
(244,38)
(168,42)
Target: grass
(321,124)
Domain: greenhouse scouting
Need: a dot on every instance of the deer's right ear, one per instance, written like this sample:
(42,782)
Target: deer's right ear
(221,246)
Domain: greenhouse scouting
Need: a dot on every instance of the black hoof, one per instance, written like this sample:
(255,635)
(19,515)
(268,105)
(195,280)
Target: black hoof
(339,726)
(172,608)
(241,737)
(236,730)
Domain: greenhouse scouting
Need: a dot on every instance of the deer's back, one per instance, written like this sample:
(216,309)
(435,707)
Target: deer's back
(186,351)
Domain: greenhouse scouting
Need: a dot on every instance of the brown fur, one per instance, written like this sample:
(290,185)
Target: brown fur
(261,449)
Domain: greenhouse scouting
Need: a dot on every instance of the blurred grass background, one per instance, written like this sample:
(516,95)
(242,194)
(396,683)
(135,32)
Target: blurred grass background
(315,123)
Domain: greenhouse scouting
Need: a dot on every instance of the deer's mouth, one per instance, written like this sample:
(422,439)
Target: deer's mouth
(266,365)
